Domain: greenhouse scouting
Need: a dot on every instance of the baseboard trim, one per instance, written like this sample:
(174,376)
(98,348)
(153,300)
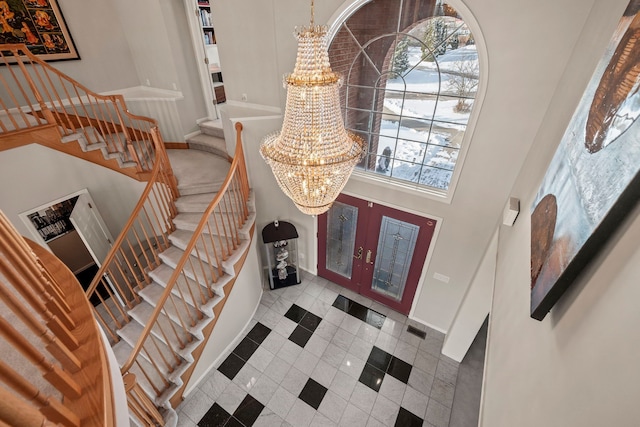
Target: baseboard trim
(225,352)
(176,145)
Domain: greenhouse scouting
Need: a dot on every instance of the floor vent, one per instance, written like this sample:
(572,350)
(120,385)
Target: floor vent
(417,332)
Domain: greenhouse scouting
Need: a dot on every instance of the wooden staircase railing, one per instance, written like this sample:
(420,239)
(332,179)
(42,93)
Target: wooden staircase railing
(125,272)
(36,97)
(53,368)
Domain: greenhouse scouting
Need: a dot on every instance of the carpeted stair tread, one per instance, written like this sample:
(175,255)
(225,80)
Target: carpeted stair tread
(198,172)
(165,329)
(208,143)
(213,128)
(169,365)
(202,272)
(196,203)
(208,244)
(161,276)
(152,294)
(190,221)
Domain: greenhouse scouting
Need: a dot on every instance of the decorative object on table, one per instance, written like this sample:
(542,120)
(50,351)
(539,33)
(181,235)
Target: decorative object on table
(39,25)
(593,181)
(313,155)
(280,242)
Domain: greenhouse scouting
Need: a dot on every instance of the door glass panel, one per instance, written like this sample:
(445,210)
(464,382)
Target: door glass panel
(396,244)
(341,236)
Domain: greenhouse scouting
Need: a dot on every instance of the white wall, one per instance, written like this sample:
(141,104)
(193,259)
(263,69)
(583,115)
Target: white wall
(33,175)
(578,367)
(527,44)
(236,315)
(474,308)
(159,39)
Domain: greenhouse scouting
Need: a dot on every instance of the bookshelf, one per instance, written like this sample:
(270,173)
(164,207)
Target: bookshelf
(211,48)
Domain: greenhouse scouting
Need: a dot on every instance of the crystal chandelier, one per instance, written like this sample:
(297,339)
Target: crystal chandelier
(313,155)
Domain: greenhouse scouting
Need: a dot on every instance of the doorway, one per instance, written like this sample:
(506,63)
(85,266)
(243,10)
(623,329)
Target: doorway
(374,250)
(73,229)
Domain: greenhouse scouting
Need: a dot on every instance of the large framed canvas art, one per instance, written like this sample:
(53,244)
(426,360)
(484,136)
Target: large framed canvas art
(39,24)
(593,181)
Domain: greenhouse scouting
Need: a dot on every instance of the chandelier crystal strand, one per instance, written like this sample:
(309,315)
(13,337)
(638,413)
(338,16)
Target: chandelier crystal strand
(313,155)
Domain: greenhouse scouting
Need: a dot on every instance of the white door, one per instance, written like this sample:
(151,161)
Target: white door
(92,230)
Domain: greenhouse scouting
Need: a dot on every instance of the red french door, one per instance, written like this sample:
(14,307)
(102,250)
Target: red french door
(374,250)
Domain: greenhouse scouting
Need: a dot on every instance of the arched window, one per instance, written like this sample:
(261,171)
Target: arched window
(411,75)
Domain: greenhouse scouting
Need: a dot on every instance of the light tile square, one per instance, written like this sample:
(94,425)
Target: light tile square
(290,352)
(332,406)
(300,414)
(328,295)
(285,326)
(343,339)
(277,369)
(306,362)
(363,397)
(415,402)
(247,377)
(274,342)
(406,352)
(264,389)
(231,398)
(352,366)
(343,384)
(326,330)
(386,342)
(320,420)
(268,418)
(324,373)
(316,345)
(360,348)
(305,301)
(392,389)
(351,324)
(334,355)
(420,381)
(392,327)
(320,308)
(281,402)
(281,306)
(197,405)
(335,316)
(261,358)
(215,384)
(437,414)
(353,417)
(368,333)
(385,411)
(270,319)
(294,381)
(426,362)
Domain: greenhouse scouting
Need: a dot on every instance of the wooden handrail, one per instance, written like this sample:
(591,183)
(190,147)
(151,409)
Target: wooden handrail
(34,354)
(237,169)
(39,91)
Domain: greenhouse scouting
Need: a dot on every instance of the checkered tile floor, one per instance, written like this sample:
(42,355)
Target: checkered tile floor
(317,354)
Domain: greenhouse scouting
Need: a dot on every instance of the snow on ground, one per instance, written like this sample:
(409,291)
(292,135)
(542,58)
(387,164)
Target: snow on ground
(421,157)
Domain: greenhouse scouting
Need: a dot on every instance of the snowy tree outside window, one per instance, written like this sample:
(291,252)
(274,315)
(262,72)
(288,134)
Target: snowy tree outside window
(410,95)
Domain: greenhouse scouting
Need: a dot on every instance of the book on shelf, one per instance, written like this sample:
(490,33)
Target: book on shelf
(205,18)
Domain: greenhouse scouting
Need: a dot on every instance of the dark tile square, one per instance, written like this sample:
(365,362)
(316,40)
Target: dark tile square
(258,333)
(231,366)
(358,311)
(371,377)
(342,303)
(233,422)
(312,393)
(399,369)
(407,419)
(375,319)
(310,321)
(379,359)
(248,411)
(295,313)
(246,348)
(300,336)
(215,417)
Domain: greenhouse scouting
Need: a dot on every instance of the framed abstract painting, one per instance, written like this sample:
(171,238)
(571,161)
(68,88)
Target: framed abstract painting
(593,181)
(39,24)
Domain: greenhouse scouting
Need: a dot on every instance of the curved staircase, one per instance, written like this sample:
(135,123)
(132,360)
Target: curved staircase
(160,290)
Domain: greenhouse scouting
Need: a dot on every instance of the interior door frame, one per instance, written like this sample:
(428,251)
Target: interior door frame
(200,55)
(427,262)
(36,236)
